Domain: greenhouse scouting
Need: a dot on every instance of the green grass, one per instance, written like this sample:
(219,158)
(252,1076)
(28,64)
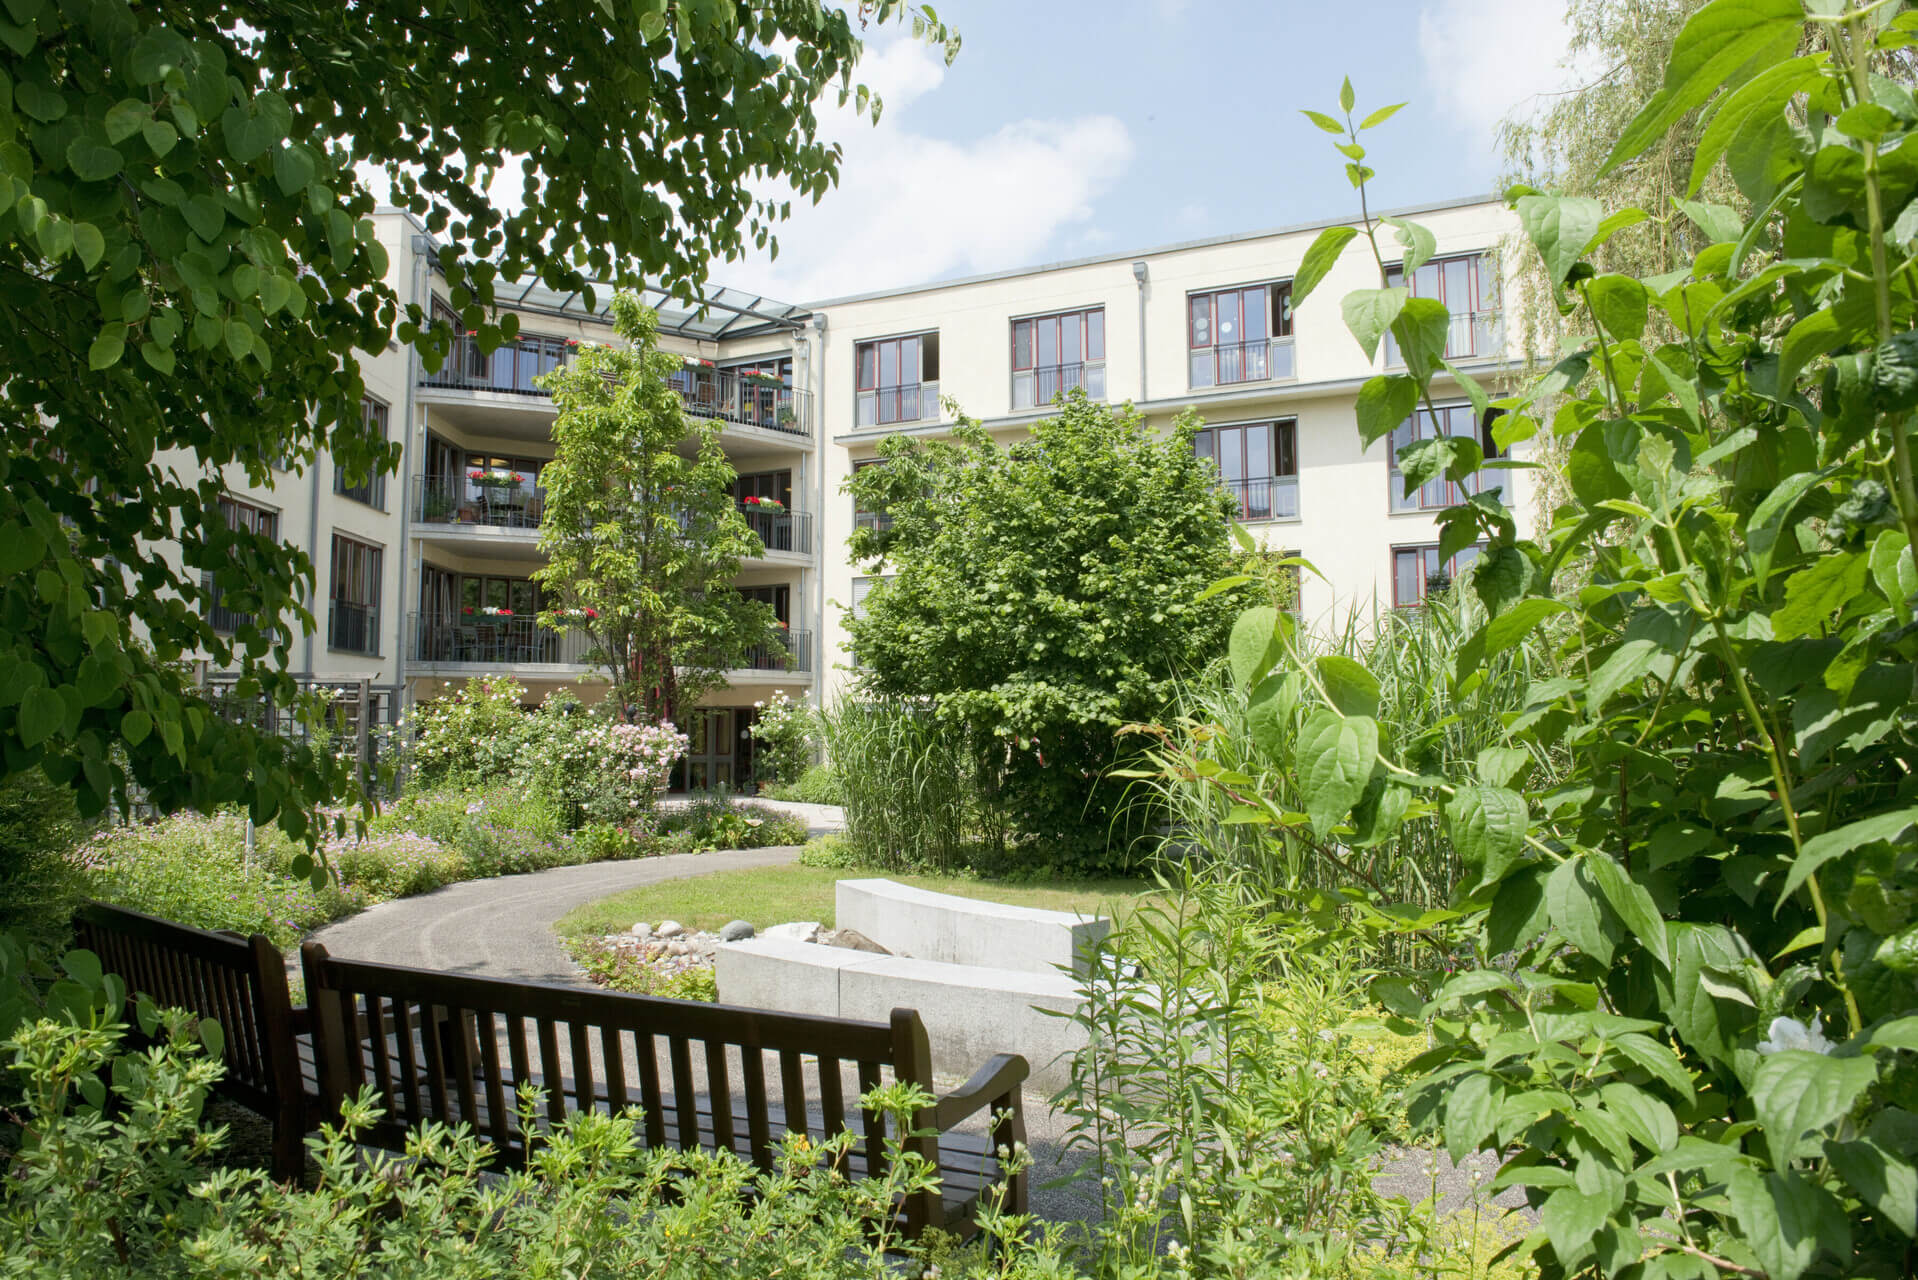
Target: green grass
(764,896)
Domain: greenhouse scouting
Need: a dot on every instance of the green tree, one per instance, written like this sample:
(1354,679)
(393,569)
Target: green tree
(1046,594)
(642,535)
(188,276)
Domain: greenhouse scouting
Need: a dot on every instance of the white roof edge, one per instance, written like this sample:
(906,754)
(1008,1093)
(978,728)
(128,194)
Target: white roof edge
(1235,237)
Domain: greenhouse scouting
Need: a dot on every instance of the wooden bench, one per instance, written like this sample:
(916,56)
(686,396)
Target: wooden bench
(453,1049)
(238,982)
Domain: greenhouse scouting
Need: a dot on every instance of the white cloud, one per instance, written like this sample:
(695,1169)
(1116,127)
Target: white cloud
(910,207)
(1488,59)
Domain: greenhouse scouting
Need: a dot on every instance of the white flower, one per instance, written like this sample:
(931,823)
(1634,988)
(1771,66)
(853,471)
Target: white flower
(1789,1033)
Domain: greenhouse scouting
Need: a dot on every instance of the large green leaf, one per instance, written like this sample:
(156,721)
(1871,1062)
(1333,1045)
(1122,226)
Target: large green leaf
(1560,227)
(1715,45)
(1352,688)
(1633,903)
(1882,1178)
(1572,1218)
(1335,758)
(1319,260)
(1255,646)
(1758,100)
(1578,911)
(1822,848)
(1369,314)
(1620,304)
(1385,401)
(1471,1109)
(1488,826)
(1796,1092)
(1422,327)
(1786,1219)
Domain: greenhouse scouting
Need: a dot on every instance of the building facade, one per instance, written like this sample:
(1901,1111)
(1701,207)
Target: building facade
(423,577)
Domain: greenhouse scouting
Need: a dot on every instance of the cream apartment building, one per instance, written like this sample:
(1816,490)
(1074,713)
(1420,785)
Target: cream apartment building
(423,577)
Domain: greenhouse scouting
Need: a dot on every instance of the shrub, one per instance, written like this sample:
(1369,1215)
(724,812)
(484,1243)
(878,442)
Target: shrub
(193,868)
(594,769)
(833,851)
(785,739)
(395,866)
(40,826)
(623,970)
(713,820)
(819,784)
(603,842)
(473,736)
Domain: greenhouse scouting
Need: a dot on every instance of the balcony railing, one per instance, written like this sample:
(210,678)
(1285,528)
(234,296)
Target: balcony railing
(222,619)
(353,628)
(1268,498)
(792,652)
(736,396)
(479,640)
(877,521)
(1471,335)
(457,500)
(780,530)
(914,402)
(510,367)
(1032,388)
(1225,363)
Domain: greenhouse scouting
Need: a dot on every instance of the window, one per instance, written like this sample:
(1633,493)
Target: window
(898,380)
(463,487)
(1240,335)
(780,598)
(1417,572)
(1451,420)
(372,490)
(1054,354)
(241,517)
(1258,465)
(353,621)
(1468,285)
(878,521)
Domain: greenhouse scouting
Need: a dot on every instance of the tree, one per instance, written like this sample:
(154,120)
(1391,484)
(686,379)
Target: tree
(188,274)
(1046,595)
(643,539)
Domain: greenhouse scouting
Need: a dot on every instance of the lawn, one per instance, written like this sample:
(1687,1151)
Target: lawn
(764,896)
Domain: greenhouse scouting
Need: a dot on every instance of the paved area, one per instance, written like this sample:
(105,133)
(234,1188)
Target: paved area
(503,928)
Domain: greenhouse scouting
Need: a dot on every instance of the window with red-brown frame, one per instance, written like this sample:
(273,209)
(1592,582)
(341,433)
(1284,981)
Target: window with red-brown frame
(1258,464)
(1057,353)
(239,516)
(1468,284)
(1241,334)
(896,380)
(1428,424)
(1418,573)
(353,615)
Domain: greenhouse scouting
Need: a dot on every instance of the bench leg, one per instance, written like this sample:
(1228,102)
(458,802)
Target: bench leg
(289,1144)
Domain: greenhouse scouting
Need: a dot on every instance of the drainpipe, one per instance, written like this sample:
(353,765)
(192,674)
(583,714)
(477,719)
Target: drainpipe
(1138,274)
(410,558)
(313,545)
(815,370)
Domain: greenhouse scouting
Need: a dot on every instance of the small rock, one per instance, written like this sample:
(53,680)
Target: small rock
(669,929)
(642,930)
(678,947)
(853,940)
(736,931)
(796,931)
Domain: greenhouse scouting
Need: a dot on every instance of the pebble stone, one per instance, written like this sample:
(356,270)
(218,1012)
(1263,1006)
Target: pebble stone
(669,929)
(735,931)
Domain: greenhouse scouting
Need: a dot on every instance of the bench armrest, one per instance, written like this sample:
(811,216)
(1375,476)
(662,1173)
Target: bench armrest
(302,1020)
(1001,1076)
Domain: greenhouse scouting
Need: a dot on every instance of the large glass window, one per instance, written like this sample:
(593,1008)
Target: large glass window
(1418,572)
(1448,420)
(898,380)
(354,616)
(1468,285)
(1054,354)
(372,490)
(1240,335)
(1258,465)
(239,516)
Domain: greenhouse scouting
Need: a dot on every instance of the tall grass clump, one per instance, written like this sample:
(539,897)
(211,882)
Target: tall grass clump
(1438,726)
(907,781)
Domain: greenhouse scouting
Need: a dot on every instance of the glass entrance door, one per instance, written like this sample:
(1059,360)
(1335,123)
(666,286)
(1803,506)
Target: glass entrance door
(711,751)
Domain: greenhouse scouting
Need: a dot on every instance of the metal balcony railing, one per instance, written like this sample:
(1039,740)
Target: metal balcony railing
(460,500)
(792,652)
(1225,363)
(353,628)
(509,367)
(914,402)
(781,530)
(1034,388)
(1471,335)
(1269,498)
(480,639)
(738,396)
(222,619)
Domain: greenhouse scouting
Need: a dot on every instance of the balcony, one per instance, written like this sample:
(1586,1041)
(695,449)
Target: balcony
(353,628)
(744,399)
(222,619)
(460,501)
(791,653)
(1268,498)
(510,368)
(1035,388)
(780,531)
(1472,335)
(1227,363)
(492,642)
(883,406)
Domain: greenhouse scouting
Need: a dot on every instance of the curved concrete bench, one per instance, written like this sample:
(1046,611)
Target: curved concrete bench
(953,930)
(970,1011)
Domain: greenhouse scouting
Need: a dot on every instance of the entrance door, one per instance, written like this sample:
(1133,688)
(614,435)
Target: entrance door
(713,733)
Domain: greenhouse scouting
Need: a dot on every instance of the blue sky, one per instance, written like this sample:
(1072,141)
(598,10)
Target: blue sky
(1067,128)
